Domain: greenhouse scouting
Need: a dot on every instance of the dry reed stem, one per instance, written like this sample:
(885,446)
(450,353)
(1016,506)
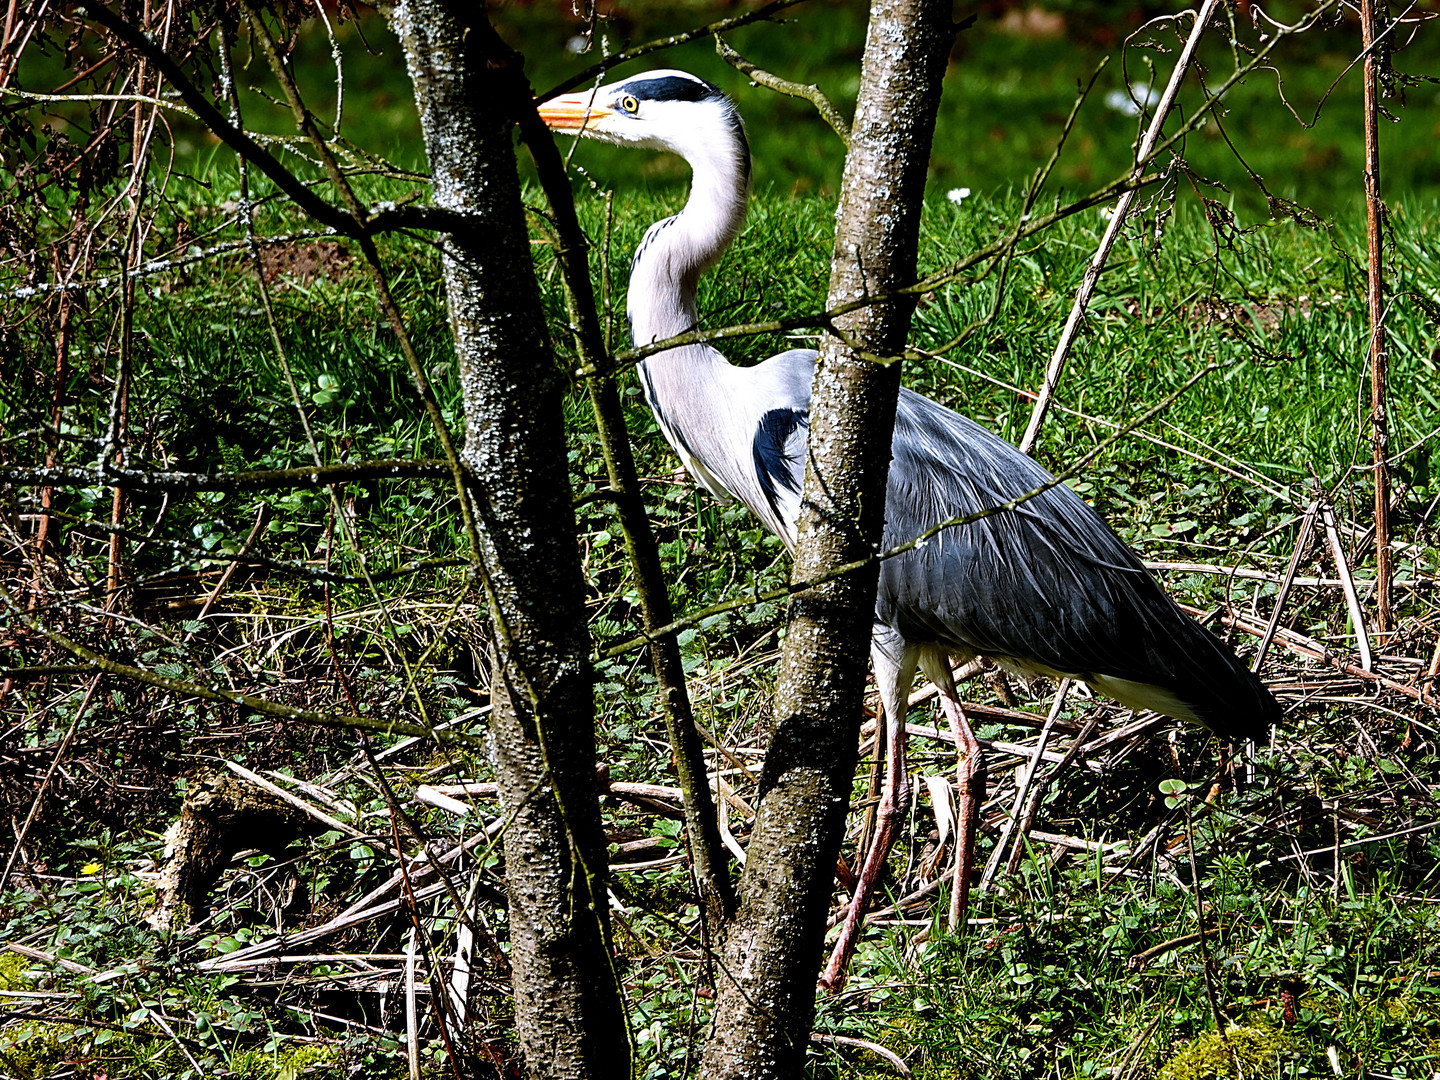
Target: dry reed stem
(1112,232)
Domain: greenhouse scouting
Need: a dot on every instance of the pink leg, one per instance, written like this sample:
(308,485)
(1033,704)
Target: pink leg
(970,782)
(893,677)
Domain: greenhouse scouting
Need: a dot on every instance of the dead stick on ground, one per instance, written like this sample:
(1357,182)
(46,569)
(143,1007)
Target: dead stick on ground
(1022,790)
(1313,650)
(894,1059)
(1427,691)
(1347,583)
(234,565)
(71,966)
(164,1026)
(1375,296)
(412,1027)
(1112,232)
(45,783)
(1140,959)
(303,806)
(1307,525)
(1032,808)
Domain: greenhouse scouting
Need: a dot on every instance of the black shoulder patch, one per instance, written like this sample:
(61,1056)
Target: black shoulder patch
(672,88)
(773,465)
(667,429)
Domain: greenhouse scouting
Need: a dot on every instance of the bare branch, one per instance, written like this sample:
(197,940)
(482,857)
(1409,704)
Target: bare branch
(313,476)
(596,71)
(212,692)
(1112,232)
(810,92)
(236,138)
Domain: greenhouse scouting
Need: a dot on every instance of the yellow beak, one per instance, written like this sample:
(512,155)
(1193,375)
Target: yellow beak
(572,112)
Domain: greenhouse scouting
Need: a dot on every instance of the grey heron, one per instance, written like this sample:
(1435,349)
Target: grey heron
(1046,589)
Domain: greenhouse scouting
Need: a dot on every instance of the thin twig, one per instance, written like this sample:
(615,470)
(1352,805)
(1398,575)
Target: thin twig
(36,802)
(1313,650)
(808,91)
(234,564)
(310,476)
(1140,959)
(1112,232)
(596,71)
(1022,789)
(1375,302)
(412,1026)
(1032,808)
(211,692)
(1205,966)
(1302,542)
(892,1058)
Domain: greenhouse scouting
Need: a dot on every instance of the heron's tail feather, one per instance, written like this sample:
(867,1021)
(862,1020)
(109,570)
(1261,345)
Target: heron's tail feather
(1203,681)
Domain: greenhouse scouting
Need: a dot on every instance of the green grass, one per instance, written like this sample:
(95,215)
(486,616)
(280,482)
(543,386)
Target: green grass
(1047,986)
(1006,98)
(1007,95)
(1045,989)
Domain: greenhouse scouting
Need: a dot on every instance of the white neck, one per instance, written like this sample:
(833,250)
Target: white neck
(675,252)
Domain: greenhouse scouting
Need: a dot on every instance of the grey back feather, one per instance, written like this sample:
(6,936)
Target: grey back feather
(1046,583)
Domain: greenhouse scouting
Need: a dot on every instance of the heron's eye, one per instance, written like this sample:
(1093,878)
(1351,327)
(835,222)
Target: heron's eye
(629,104)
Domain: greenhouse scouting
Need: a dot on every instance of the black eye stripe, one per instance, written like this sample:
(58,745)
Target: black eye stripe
(671,88)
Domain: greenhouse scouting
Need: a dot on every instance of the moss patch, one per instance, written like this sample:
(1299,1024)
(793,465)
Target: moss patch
(12,971)
(31,1049)
(1242,1052)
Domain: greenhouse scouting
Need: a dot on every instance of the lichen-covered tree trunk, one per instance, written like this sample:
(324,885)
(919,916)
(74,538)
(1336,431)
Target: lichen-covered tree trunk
(569,1016)
(766,997)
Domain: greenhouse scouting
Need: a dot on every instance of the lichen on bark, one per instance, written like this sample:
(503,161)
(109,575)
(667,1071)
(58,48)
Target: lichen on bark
(469,88)
(766,995)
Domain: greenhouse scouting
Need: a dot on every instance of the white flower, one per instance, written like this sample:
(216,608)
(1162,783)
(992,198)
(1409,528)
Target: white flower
(958,195)
(1130,102)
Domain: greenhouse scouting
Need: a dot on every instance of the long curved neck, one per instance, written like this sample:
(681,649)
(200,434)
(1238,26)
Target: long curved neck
(675,252)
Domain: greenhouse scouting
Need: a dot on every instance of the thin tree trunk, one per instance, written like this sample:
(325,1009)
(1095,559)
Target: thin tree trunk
(569,1016)
(766,995)
(43,539)
(1375,294)
(133,245)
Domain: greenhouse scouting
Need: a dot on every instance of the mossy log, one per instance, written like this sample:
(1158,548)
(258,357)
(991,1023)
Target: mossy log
(222,815)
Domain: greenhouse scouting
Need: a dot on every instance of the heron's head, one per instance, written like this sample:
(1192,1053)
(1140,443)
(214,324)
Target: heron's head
(657,110)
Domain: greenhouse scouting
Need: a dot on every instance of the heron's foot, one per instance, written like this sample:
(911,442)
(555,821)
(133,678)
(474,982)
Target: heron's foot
(833,978)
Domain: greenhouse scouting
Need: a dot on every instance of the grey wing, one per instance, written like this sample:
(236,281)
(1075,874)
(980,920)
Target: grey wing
(1047,583)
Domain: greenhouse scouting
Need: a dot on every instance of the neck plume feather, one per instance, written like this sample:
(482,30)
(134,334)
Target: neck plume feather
(675,252)
(699,399)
